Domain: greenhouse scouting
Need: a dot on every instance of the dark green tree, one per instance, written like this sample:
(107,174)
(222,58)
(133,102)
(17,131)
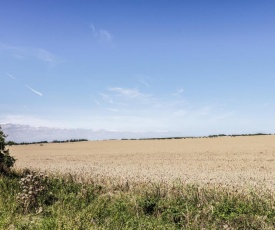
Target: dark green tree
(6,161)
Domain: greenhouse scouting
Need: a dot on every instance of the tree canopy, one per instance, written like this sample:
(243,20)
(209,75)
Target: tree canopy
(6,161)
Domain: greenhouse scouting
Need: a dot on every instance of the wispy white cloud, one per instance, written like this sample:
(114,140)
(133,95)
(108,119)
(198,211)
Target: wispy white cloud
(45,55)
(130,93)
(35,91)
(105,36)
(31,133)
(188,120)
(11,76)
(113,109)
(145,83)
(27,119)
(107,98)
(30,52)
(97,102)
(102,35)
(178,92)
(126,108)
(94,30)
(133,96)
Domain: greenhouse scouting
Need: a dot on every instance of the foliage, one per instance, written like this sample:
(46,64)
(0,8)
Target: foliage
(6,161)
(67,204)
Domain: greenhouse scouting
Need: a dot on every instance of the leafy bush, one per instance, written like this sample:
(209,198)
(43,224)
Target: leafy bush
(6,161)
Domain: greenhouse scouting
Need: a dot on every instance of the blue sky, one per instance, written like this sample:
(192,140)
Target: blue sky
(193,67)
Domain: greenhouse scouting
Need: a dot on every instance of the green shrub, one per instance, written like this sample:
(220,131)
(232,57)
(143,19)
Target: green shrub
(6,161)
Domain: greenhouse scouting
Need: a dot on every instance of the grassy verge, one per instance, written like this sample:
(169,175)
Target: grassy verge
(66,204)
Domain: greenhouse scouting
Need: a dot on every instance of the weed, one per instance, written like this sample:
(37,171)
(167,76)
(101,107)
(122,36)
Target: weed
(32,186)
(57,202)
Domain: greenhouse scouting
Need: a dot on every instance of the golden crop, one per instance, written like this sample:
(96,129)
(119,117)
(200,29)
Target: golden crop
(223,160)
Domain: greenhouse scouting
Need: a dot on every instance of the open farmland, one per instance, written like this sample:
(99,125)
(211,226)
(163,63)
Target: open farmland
(222,160)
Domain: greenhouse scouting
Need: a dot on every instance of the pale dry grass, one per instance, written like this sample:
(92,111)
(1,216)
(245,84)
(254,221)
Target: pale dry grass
(223,160)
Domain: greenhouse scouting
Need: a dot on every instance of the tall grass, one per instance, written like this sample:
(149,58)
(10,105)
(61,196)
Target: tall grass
(103,204)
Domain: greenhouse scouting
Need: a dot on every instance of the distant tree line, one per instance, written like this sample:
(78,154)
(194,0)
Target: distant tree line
(44,142)
(191,137)
(72,140)
(150,138)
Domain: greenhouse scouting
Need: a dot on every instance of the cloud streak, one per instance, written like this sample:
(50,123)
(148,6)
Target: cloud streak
(35,91)
(27,86)
(12,77)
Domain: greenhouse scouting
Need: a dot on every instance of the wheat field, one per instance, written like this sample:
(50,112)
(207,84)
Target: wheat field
(223,160)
